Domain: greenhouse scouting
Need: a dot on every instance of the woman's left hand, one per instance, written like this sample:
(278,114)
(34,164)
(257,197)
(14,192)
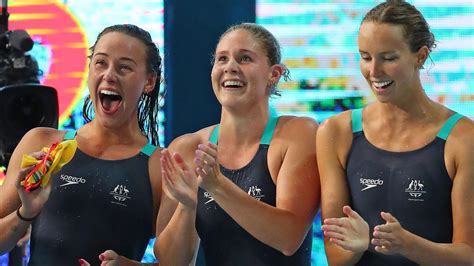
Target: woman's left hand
(207,166)
(107,258)
(389,238)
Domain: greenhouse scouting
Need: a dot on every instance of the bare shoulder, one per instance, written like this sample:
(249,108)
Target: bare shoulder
(40,137)
(186,144)
(334,136)
(463,132)
(337,126)
(461,139)
(293,127)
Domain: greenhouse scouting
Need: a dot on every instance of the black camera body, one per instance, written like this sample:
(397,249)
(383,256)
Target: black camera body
(17,67)
(24,103)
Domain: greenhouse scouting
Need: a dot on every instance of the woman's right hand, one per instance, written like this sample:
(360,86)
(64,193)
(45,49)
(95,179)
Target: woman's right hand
(32,201)
(350,233)
(180,182)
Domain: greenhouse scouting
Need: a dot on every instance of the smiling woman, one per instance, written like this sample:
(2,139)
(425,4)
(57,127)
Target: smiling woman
(118,170)
(396,176)
(256,191)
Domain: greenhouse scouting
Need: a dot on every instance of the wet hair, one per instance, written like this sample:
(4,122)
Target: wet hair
(268,42)
(148,105)
(398,12)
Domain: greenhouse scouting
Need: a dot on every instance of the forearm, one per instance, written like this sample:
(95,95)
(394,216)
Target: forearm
(425,252)
(275,227)
(11,230)
(176,244)
(339,256)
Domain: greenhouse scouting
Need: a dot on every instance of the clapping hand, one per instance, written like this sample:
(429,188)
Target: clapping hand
(389,238)
(179,180)
(350,233)
(207,166)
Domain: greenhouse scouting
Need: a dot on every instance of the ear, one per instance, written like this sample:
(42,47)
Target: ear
(421,56)
(275,75)
(150,83)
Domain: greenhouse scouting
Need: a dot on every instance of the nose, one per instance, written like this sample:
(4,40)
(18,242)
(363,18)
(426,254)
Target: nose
(375,68)
(110,75)
(232,66)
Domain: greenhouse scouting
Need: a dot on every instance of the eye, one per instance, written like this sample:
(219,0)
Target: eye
(245,58)
(365,57)
(390,58)
(125,68)
(221,58)
(99,62)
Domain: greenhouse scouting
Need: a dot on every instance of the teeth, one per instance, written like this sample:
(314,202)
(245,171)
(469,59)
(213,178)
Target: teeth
(380,84)
(233,83)
(107,92)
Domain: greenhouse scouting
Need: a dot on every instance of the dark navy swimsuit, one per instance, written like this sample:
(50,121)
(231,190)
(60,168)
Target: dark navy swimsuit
(95,205)
(414,186)
(223,241)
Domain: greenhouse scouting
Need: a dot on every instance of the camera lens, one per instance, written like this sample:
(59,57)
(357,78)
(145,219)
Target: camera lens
(25,112)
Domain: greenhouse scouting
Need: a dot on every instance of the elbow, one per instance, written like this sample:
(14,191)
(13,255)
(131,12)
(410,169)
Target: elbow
(289,252)
(291,247)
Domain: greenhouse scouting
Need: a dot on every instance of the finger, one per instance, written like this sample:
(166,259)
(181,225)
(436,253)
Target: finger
(204,156)
(382,249)
(164,166)
(386,228)
(380,242)
(340,243)
(208,169)
(180,161)
(168,160)
(335,235)
(347,210)
(333,228)
(336,221)
(22,175)
(212,149)
(200,172)
(388,217)
(167,179)
(83,262)
(38,155)
(108,255)
(212,145)
(383,235)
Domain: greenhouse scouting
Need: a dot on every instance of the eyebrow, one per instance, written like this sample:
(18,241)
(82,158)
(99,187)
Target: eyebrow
(382,53)
(121,58)
(240,51)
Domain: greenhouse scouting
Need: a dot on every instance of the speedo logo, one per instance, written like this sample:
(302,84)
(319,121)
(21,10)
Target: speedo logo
(370,183)
(71,180)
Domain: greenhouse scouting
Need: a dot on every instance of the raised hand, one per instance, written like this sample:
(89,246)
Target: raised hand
(32,201)
(389,238)
(179,181)
(350,233)
(207,166)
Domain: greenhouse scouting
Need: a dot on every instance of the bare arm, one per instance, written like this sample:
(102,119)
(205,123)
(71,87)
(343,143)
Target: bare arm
(176,233)
(297,191)
(12,228)
(332,145)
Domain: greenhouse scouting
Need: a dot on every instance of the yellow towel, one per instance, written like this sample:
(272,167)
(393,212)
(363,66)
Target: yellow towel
(56,157)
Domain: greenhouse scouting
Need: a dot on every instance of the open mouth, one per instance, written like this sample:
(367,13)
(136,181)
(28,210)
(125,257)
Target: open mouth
(232,84)
(110,101)
(381,85)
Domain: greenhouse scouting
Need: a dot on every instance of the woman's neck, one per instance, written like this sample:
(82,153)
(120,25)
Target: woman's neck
(243,128)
